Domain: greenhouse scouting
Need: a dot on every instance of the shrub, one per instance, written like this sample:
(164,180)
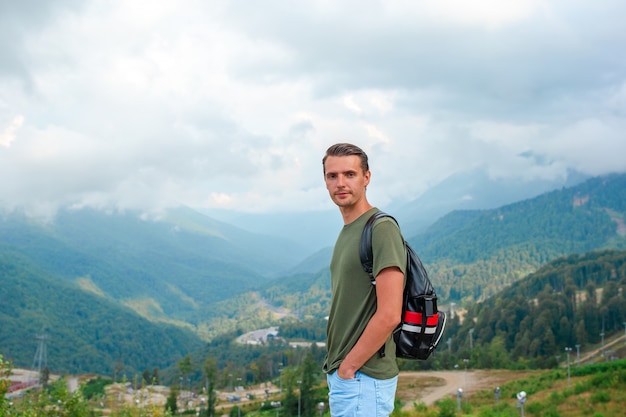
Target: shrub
(94,387)
(447,408)
(534,408)
(551,411)
(579,388)
(600,397)
(420,406)
(556,397)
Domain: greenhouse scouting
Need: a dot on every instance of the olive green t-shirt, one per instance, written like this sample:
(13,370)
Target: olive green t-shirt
(353,301)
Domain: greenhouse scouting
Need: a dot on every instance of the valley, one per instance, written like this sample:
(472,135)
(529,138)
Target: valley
(104,286)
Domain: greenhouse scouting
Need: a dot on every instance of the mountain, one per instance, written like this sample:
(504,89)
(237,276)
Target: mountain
(474,190)
(165,269)
(572,301)
(83,332)
(311,229)
(474,254)
(461,243)
(469,190)
(209,277)
(315,262)
(104,287)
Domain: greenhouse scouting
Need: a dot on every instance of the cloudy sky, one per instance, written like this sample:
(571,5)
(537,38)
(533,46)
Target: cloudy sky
(120,104)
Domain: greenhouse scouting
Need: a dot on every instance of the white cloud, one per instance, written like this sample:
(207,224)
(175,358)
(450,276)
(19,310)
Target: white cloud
(518,138)
(351,105)
(484,13)
(7,135)
(232,104)
(595,146)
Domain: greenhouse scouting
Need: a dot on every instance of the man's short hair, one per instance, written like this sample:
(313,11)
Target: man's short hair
(347,149)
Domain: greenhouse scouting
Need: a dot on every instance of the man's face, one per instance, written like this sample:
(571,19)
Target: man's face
(345,180)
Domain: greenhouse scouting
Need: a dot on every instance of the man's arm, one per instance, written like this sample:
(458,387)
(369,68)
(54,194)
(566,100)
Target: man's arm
(389,289)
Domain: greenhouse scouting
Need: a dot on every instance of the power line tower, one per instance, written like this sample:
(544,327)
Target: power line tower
(40,361)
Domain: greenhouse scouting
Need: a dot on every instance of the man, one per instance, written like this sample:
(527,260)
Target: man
(361,378)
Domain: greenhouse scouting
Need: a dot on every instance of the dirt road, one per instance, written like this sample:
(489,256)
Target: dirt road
(430,386)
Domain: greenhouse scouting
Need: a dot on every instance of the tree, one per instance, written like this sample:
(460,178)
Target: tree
(170,405)
(209,368)
(5,372)
(498,355)
(185,366)
(119,367)
(236,411)
(310,371)
(155,376)
(146,376)
(290,376)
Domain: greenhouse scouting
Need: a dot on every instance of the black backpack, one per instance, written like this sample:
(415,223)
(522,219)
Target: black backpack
(422,325)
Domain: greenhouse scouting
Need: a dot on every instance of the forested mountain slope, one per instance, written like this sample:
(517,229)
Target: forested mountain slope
(84,332)
(473,254)
(181,263)
(575,300)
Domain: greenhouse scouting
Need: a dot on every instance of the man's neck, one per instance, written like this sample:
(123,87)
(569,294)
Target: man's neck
(350,214)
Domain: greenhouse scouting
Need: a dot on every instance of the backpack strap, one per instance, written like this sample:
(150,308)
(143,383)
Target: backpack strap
(365,246)
(367,255)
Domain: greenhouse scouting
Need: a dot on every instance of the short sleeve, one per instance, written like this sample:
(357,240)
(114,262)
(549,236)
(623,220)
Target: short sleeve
(388,246)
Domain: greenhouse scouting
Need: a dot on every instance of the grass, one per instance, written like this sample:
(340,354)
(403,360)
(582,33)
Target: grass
(592,391)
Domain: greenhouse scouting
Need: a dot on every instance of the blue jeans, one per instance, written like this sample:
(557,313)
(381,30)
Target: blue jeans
(362,396)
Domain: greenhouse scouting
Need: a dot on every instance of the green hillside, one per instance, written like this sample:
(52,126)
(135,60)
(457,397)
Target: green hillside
(84,332)
(570,301)
(575,300)
(181,264)
(474,254)
(97,285)
(594,390)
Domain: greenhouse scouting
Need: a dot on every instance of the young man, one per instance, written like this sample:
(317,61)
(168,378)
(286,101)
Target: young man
(362,381)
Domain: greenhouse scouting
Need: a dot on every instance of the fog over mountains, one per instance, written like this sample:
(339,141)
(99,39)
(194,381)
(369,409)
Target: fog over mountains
(473,190)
